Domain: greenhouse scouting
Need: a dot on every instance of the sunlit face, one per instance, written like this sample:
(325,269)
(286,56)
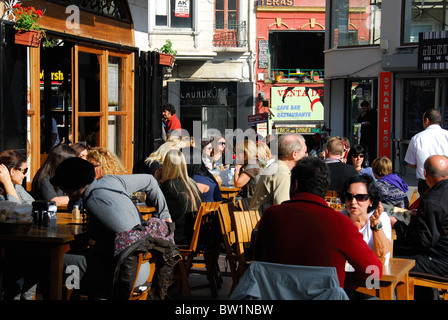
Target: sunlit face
(239,155)
(208,149)
(18,174)
(97,166)
(221,144)
(299,154)
(357,159)
(355,207)
(166,114)
(83,154)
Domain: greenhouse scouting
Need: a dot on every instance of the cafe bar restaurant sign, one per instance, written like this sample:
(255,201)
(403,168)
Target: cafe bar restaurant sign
(297,103)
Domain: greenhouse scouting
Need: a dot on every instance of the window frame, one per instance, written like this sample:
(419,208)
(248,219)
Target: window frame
(193,14)
(332,44)
(404,26)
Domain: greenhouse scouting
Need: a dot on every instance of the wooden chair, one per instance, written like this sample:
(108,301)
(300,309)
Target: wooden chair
(244,222)
(414,197)
(193,259)
(141,292)
(229,240)
(430,281)
(243,204)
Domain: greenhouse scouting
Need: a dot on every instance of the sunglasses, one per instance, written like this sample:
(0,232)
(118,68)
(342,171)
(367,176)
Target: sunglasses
(358,156)
(222,143)
(24,171)
(358,197)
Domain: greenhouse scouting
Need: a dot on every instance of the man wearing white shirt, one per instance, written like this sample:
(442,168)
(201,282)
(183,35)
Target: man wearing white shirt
(433,140)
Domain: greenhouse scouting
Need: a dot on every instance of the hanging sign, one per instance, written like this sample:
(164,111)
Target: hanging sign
(297,103)
(384,114)
(182,9)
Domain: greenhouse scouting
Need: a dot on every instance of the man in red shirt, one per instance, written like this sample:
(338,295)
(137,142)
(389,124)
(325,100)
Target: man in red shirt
(170,119)
(306,231)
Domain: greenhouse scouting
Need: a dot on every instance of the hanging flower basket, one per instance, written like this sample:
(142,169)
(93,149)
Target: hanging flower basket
(31,38)
(166,59)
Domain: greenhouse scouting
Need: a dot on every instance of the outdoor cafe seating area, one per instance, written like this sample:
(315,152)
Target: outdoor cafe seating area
(236,224)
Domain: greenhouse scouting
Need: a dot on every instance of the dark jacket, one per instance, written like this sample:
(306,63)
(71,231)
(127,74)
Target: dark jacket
(179,206)
(126,264)
(427,233)
(339,173)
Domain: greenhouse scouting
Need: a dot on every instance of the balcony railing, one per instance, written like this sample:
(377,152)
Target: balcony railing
(230,34)
(294,75)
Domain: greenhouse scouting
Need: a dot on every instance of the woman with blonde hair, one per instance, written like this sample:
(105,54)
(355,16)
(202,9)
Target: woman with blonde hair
(105,162)
(247,167)
(181,193)
(155,160)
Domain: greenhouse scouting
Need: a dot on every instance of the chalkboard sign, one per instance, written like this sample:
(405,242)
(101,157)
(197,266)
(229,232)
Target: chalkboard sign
(263,54)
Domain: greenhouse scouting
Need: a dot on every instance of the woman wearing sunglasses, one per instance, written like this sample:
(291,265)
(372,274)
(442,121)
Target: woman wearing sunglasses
(357,157)
(362,202)
(13,169)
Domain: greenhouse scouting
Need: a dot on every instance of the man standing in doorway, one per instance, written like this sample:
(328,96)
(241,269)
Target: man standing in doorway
(368,119)
(431,141)
(170,119)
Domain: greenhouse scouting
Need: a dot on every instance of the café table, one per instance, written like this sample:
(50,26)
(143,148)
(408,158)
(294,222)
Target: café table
(52,244)
(229,193)
(146,211)
(395,276)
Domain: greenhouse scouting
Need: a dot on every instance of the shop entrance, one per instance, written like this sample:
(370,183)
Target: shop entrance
(86,95)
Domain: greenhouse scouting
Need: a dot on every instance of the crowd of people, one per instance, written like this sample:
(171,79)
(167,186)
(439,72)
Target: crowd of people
(285,185)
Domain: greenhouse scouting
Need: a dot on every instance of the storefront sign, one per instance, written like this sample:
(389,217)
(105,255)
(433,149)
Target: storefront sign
(257,118)
(182,9)
(208,93)
(263,54)
(384,114)
(433,50)
(276,3)
(298,129)
(297,103)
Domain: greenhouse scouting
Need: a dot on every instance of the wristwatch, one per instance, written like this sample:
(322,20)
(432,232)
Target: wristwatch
(377,227)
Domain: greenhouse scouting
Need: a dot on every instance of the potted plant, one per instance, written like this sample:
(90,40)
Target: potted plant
(166,54)
(278,75)
(28,32)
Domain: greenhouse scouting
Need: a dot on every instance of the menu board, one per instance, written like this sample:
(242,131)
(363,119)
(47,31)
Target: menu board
(263,54)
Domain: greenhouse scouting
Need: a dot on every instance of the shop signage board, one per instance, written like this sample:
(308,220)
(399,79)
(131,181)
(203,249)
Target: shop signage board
(433,50)
(263,54)
(182,9)
(298,129)
(384,114)
(297,103)
(257,118)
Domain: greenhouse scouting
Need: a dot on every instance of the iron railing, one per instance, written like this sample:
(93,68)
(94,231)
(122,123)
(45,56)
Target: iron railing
(294,75)
(230,34)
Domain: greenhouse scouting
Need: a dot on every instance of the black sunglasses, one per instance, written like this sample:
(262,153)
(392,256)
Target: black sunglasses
(358,197)
(24,171)
(222,143)
(360,155)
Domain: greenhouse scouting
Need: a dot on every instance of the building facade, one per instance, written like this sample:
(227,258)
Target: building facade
(290,66)
(211,82)
(86,85)
(376,52)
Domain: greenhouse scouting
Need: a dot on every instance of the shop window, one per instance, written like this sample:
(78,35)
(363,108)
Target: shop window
(355,23)
(423,16)
(174,13)
(89,82)
(418,95)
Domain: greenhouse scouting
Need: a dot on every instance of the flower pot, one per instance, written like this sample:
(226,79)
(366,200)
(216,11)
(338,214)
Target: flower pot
(166,59)
(31,38)
(277,78)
